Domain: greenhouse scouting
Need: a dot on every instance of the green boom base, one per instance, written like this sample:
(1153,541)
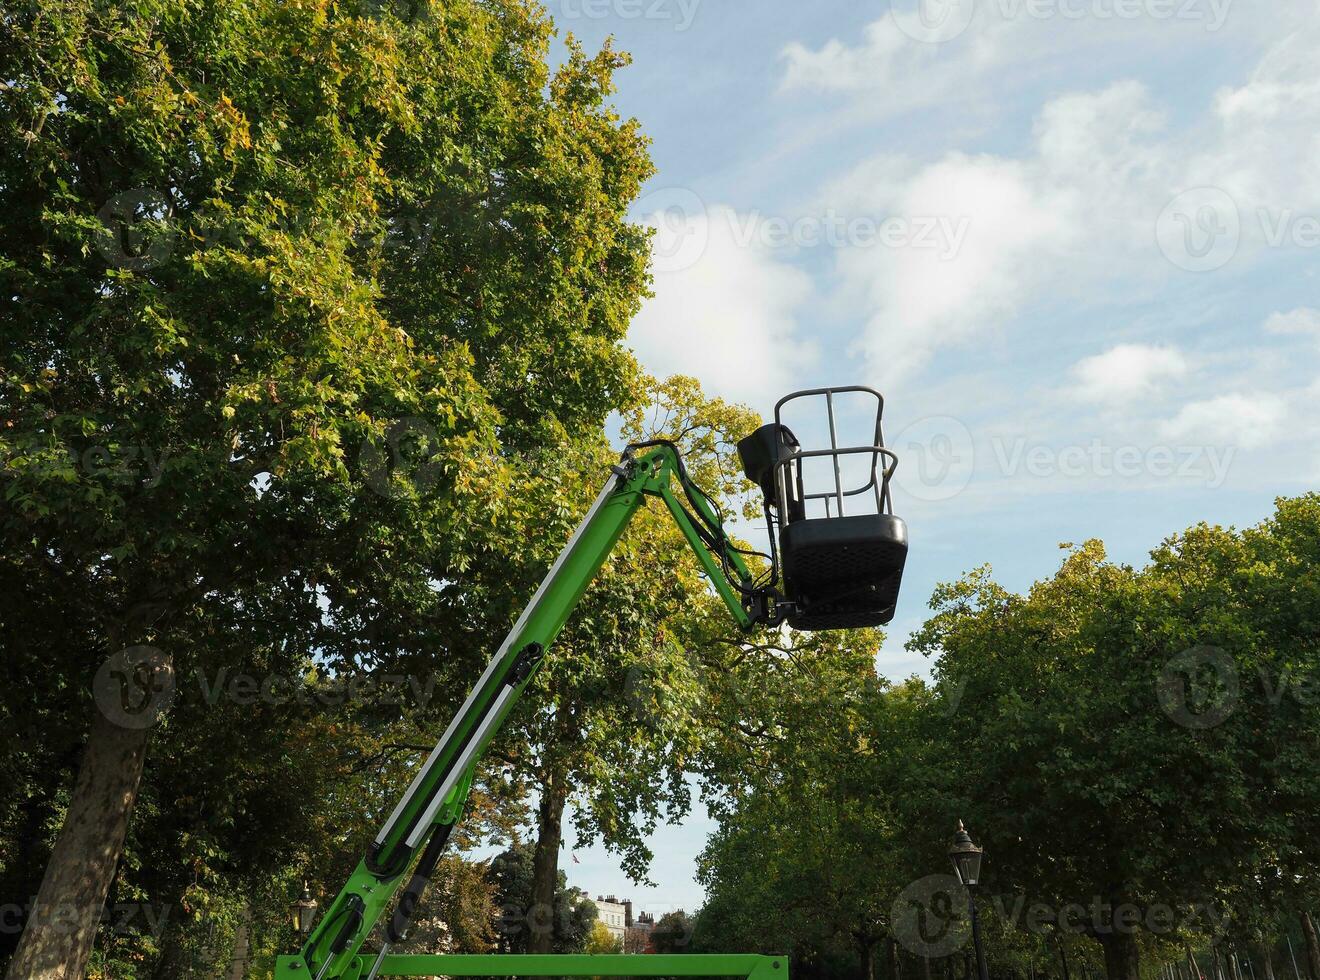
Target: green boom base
(641,965)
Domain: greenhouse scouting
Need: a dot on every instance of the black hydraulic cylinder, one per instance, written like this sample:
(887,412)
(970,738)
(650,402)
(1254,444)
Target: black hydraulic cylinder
(396,930)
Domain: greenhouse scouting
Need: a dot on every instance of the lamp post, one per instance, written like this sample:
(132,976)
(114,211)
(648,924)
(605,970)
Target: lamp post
(304,911)
(966,858)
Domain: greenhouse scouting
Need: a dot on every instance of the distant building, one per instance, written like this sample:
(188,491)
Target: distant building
(638,937)
(617,915)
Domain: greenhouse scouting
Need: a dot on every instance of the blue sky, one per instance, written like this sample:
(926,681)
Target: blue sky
(1073,241)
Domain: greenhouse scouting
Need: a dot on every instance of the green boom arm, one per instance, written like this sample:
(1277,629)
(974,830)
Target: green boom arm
(423,819)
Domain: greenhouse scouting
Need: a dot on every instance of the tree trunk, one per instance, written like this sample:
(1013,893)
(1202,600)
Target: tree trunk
(867,950)
(22,879)
(1312,946)
(891,959)
(1267,960)
(242,953)
(58,937)
(1122,959)
(545,866)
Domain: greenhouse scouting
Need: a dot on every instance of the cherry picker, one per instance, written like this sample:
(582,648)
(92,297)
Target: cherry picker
(836,561)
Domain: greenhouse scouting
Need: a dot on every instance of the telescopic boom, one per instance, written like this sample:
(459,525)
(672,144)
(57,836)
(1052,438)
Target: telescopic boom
(426,815)
(836,571)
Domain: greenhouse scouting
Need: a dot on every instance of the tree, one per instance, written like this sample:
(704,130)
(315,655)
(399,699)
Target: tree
(601,941)
(243,243)
(673,932)
(808,855)
(611,723)
(636,940)
(1126,699)
(811,859)
(1135,748)
(566,920)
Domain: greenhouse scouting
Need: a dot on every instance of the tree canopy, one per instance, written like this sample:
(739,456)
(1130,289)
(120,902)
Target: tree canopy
(295,296)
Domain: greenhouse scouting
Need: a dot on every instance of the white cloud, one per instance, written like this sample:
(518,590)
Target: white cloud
(889,59)
(1304,320)
(727,313)
(1014,42)
(1095,203)
(1247,421)
(1127,371)
(1030,223)
(1082,208)
(922,298)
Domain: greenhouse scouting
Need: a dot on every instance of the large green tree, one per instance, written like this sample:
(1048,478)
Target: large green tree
(566,919)
(611,726)
(806,858)
(288,292)
(1122,744)
(1135,748)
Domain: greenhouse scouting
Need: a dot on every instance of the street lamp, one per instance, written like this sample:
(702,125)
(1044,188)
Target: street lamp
(966,858)
(304,911)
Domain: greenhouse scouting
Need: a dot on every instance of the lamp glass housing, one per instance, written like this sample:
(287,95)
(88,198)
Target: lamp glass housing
(304,912)
(967,864)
